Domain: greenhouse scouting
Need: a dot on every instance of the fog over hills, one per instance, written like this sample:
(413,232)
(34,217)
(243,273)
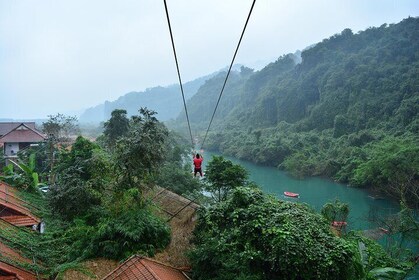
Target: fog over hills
(166,101)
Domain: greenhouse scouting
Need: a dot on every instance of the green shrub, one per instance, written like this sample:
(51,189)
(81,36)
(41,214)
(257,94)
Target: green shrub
(258,236)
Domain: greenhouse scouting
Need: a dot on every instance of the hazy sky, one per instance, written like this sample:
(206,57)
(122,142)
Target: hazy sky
(68,55)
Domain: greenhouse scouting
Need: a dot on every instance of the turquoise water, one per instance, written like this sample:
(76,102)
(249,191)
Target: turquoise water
(318,191)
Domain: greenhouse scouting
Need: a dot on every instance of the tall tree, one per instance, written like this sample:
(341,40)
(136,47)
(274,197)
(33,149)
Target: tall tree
(116,127)
(141,152)
(81,174)
(60,127)
(223,176)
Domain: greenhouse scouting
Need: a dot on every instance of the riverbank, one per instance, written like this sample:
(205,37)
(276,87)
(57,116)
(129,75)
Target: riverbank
(316,191)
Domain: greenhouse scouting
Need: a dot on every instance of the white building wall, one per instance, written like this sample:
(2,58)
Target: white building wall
(11,149)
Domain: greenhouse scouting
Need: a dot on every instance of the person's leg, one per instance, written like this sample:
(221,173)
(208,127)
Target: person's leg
(200,171)
(195,171)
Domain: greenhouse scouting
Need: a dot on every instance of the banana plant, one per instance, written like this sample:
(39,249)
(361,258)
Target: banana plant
(27,177)
(386,273)
(9,176)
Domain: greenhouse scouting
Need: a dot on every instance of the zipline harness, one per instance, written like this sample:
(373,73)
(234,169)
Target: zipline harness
(225,81)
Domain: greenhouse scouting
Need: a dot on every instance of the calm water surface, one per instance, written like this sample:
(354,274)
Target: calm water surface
(316,192)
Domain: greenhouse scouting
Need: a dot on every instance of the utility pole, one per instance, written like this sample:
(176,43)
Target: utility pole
(51,141)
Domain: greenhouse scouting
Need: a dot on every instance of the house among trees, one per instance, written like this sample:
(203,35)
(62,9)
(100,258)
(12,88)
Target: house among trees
(15,136)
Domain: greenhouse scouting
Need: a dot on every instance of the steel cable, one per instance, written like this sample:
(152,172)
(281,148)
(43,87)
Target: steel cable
(178,72)
(228,73)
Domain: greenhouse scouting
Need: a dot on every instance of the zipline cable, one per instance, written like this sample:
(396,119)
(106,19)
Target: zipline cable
(178,72)
(228,73)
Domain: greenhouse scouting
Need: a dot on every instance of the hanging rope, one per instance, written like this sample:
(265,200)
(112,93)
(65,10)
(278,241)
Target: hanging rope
(178,72)
(228,72)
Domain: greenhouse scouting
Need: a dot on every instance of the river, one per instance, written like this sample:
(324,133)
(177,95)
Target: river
(317,191)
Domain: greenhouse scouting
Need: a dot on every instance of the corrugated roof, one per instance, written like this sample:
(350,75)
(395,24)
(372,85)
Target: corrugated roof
(13,209)
(20,220)
(22,134)
(141,268)
(11,194)
(6,127)
(6,188)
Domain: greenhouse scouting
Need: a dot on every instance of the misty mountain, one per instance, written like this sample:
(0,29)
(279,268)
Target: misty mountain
(166,101)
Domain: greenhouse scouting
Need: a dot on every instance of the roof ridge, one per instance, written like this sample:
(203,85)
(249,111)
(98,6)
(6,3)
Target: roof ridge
(149,269)
(161,263)
(22,210)
(33,130)
(142,260)
(116,268)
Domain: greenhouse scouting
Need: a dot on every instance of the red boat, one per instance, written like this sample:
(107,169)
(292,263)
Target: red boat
(291,194)
(384,230)
(339,223)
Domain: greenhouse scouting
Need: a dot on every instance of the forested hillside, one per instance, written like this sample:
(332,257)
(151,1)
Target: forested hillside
(349,110)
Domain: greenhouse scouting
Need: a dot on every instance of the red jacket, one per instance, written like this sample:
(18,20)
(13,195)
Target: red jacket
(197,162)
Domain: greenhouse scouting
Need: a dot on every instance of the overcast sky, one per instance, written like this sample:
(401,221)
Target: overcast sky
(68,55)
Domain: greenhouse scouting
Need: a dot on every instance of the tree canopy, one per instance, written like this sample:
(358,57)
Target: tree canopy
(223,176)
(254,236)
(116,127)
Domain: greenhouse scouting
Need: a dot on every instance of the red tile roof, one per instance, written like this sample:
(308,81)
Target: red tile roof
(140,268)
(13,254)
(20,220)
(13,209)
(6,127)
(22,134)
(7,188)
(13,193)
(13,271)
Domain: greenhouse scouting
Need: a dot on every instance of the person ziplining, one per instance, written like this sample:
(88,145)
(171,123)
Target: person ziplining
(197,162)
(197,158)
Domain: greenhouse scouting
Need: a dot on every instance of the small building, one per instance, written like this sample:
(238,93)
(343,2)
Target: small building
(17,136)
(141,268)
